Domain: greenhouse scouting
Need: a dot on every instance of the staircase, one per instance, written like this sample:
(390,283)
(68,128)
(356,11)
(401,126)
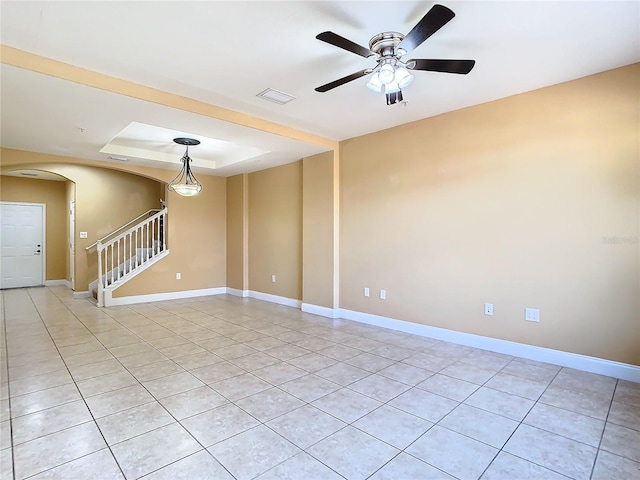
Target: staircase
(128,251)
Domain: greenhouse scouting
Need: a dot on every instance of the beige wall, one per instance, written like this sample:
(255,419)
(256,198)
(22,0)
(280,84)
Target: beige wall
(105,200)
(235,231)
(197,244)
(53,195)
(195,230)
(509,203)
(506,202)
(317,235)
(275,230)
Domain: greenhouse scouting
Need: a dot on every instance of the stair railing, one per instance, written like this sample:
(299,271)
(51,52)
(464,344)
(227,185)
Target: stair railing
(148,213)
(119,257)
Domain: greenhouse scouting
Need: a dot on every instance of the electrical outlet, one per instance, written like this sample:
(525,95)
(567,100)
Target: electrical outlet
(273,279)
(383,294)
(488,308)
(366,291)
(178,276)
(532,314)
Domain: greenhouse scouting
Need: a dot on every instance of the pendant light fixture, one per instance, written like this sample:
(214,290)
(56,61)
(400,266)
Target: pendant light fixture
(185,183)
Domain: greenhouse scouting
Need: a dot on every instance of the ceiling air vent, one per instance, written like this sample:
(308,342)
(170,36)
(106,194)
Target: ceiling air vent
(275,96)
(29,174)
(118,159)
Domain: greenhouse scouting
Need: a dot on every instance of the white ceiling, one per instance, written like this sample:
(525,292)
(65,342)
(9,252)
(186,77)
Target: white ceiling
(224,53)
(144,141)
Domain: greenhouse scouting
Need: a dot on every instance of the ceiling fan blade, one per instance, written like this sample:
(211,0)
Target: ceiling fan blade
(445,66)
(434,20)
(341,42)
(343,80)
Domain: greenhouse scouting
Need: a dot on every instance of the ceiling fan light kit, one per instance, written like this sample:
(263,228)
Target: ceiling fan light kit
(391,74)
(185,183)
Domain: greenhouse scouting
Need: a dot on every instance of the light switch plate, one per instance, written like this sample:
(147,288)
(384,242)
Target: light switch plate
(84,235)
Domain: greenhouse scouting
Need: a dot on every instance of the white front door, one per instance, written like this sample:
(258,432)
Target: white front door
(72,241)
(21,244)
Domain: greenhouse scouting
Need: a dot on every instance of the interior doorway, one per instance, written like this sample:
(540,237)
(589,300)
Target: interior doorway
(72,244)
(22,234)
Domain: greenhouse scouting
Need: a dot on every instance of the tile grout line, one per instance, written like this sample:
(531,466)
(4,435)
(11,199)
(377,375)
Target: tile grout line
(77,388)
(347,386)
(310,331)
(522,423)
(604,428)
(229,400)
(375,372)
(404,450)
(261,423)
(6,354)
(462,403)
(156,400)
(152,396)
(400,450)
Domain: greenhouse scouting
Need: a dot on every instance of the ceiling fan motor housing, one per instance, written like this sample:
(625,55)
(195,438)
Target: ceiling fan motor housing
(385,43)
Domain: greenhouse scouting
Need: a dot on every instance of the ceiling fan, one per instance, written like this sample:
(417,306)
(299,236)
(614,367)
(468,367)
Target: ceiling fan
(391,74)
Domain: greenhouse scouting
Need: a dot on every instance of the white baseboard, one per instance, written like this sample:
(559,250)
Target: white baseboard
(159,297)
(238,293)
(319,310)
(55,283)
(566,359)
(600,366)
(289,302)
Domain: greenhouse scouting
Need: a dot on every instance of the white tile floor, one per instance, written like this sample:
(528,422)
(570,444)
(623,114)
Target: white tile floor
(223,387)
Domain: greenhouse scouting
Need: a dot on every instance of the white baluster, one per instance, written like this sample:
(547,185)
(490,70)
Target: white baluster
(141,246)
(117,247)
(146,244)
(137,262)
(111,270)
(155,235)
(124,255)
(164,230)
